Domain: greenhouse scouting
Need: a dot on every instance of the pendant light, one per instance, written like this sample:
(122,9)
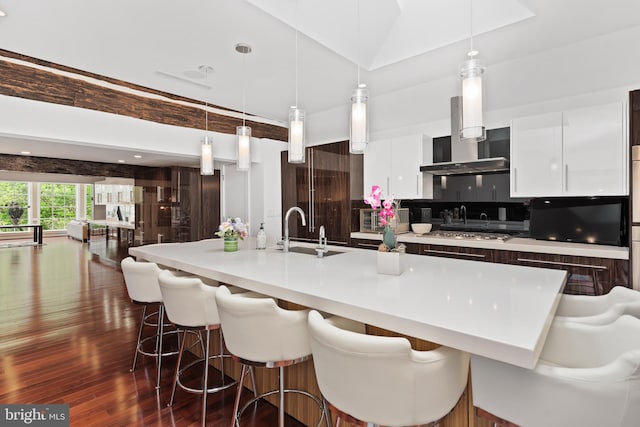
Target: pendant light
(471,72)
(206,155)
(296,122)
(243,147)
(359,129)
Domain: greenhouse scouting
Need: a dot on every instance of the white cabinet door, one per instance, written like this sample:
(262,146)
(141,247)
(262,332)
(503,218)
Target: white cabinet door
(377,166)
(536,156)
(394,165)
(594,151)
(406,159)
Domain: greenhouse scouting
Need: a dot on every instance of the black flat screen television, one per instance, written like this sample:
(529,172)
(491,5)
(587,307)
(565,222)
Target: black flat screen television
(596,220)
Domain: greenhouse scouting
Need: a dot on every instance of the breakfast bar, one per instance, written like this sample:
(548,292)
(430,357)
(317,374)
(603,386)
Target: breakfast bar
(502,312)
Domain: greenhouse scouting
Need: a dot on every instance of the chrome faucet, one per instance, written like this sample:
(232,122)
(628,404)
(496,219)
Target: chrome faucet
(486,218)
(322,243)
(285,242)
(463,213)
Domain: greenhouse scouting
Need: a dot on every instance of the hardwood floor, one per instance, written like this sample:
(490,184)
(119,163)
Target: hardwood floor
(67,335)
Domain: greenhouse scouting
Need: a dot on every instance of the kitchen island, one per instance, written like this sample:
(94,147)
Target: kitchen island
(498,311)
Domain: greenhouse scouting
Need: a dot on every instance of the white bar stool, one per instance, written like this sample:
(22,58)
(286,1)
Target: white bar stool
(191,306)
(600,309)
(141,280)
(369,379)
(587,376)
(259,333)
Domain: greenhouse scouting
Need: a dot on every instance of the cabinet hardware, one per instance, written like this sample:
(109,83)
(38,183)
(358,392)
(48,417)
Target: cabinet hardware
(515,180)
(367,245)
(566,177)
(435,251)
(565,264)
(417,185)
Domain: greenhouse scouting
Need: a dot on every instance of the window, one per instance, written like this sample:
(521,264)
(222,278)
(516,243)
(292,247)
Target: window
(57,205)
(88,197)
(13,194)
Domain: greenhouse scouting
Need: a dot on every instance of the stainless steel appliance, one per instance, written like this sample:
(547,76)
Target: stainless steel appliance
(370,223)
(468,235)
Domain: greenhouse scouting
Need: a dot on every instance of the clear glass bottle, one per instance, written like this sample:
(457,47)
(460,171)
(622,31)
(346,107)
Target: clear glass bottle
(261,238)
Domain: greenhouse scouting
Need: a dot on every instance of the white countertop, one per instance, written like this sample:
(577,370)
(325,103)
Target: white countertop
(498,311)
(513,244)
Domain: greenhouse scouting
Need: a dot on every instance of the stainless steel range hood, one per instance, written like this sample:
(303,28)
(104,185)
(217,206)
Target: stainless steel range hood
(495,164)
(464,155)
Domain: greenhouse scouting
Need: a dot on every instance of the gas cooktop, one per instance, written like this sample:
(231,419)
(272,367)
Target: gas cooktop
(466,235)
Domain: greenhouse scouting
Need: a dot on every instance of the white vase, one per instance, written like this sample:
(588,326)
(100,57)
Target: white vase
(390,263)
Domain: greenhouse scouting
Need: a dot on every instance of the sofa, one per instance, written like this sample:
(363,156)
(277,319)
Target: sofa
(77,230)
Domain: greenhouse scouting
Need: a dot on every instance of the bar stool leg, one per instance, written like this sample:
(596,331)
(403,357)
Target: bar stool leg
(253,382)
(281,394)
(221,355)
(135,354)
(159,344)
(236,405)
(175,377)
(205,386)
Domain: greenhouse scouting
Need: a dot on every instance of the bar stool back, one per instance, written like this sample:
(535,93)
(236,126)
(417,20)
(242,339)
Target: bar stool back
(141,280)
(259,333)
(381,380)
(191,305)
(587,376)
(600,309)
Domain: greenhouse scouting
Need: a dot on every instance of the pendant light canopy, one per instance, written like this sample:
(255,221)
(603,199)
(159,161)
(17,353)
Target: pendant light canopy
(473,129)
(206,155)
(243,146)
(359,129)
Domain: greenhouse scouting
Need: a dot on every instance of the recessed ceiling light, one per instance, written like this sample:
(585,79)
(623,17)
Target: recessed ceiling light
(25,152)
(137,156)
(120,161)
(2,13)
(243,48)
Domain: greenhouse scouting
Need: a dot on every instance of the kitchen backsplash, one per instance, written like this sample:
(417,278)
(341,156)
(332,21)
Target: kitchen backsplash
(513,211)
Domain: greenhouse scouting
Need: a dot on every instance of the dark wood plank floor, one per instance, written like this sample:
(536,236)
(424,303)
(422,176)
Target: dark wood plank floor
(67,335)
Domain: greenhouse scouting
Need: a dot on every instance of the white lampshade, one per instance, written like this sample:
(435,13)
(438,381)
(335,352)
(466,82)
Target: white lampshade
(296,135)
(206,157)
(243,148)
(472,105)
(359,124)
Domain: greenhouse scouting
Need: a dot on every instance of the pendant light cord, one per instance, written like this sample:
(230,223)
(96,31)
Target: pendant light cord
(206,108)
(358,39)
(470,26)
(296,55)
(244,88)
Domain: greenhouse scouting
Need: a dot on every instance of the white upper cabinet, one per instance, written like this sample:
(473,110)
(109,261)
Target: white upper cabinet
(536,155)
(579,152)
(593,141)
(394,165)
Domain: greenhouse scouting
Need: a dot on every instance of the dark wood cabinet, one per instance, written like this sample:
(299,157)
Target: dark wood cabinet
(365,244)
(586,275)
(321,187)
(177,205)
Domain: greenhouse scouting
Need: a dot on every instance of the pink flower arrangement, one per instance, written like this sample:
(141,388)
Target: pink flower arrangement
(387,213)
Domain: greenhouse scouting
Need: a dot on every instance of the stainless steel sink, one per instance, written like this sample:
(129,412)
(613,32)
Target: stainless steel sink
(311,251)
